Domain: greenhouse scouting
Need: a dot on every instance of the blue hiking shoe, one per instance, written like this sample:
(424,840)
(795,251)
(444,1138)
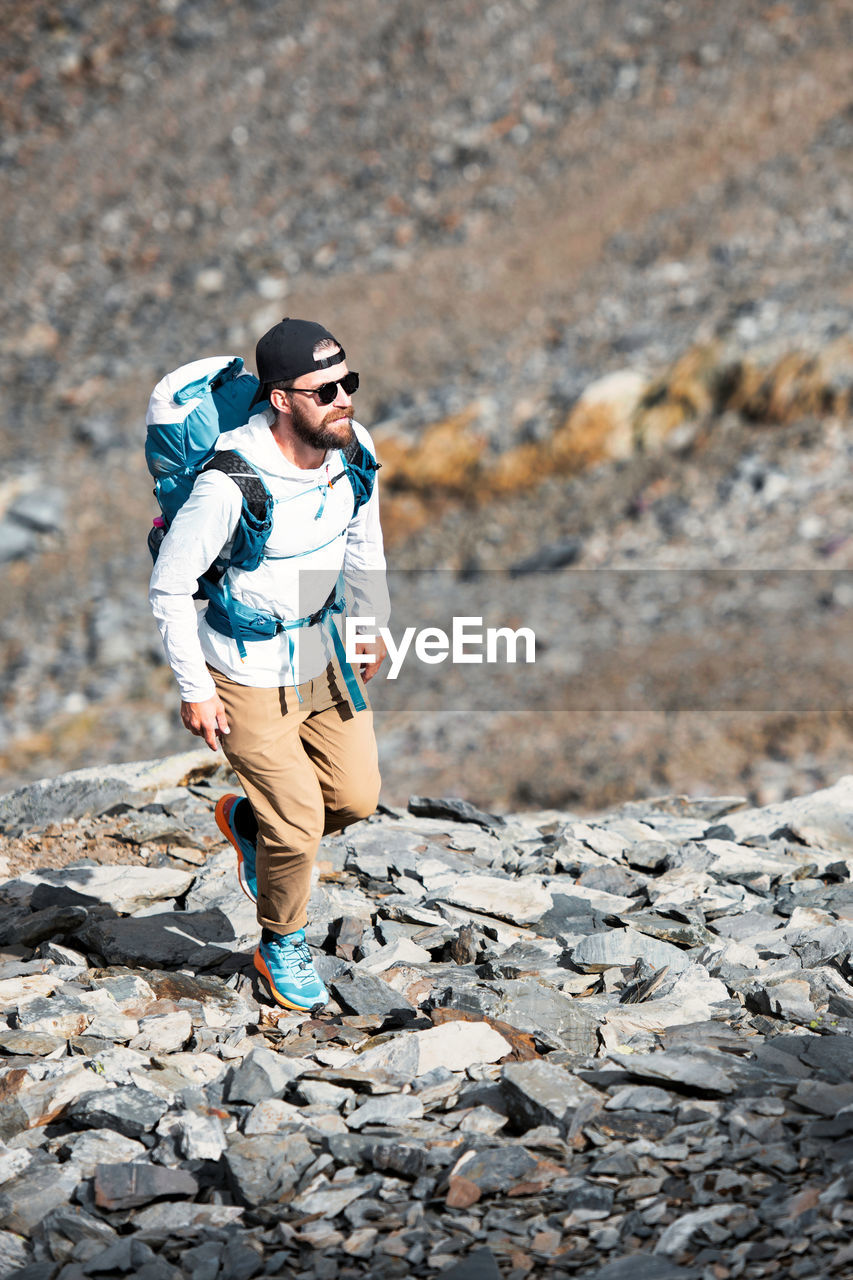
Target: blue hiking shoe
(286,964)
(246,874)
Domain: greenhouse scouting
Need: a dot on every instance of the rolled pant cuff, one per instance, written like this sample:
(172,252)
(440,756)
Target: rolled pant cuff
(288,927)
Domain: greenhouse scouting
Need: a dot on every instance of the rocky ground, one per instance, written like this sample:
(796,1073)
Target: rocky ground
(603,1047)
(497,207)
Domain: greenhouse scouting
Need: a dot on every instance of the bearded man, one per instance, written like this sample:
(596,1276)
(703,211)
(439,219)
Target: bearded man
(283,706)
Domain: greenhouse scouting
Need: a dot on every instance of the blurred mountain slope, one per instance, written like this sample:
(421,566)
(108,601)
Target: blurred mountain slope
(493,206)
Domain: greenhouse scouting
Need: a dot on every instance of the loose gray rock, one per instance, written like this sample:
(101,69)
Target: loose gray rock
(263,1169)
(127,1109)
(489,1171)
(556,555)
(479,1264)
(538,1093)
(92,791)
(58,1015)
(457,1045)
(520,902)
(27,1199)
(689,1070)
(390,1109)
(101,1146)
(620,947)
(200,1137)
(16,541)
(454,811)
(643,1267)
(125,889)
(71,1232)
(125,1186)
(38,1044)
(640,1098)
(34,928)
(674,1238)
(127,1255)
(823,819)
(367,995)
(172,939)
(530,1006)
(41,509)
(261,1075)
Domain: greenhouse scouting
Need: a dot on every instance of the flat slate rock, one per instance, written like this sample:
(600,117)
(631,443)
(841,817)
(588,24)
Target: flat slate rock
(682,933)
(387,1109)
(455,810)
(518,901)
(260,1076)
(102,1146)
(688,1070)
(127,1255)
(479,1264)
(456,1045)
(529,1006)
(263,1168)
(35,1043)
(829,1058)
(169,939)
(126,1186)
(642,1266)
(30,929)
(367,995)
(216,888)
(127,1109)
(37,805)
(538,1093)
(613,948)
(480,1173)
(90,791)
(675,1237)
(823,819)
(27,1199)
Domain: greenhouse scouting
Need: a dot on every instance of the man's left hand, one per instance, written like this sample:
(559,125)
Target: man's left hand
(375,653)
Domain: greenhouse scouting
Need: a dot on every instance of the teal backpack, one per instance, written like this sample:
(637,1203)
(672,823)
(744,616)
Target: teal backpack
(189,409)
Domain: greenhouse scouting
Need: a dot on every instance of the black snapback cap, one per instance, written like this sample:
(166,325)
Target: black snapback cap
(287,350)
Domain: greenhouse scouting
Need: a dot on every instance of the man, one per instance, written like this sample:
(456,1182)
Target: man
(282,713)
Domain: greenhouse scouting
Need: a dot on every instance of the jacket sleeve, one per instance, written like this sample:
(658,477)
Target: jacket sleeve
(202,529)
(364,557)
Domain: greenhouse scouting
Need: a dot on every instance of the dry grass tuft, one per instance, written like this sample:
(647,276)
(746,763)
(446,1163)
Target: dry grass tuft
(616,417)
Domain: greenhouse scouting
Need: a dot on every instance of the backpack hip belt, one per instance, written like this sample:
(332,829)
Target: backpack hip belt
(229,617)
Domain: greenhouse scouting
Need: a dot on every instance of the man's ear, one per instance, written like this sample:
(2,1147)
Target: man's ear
(278,401)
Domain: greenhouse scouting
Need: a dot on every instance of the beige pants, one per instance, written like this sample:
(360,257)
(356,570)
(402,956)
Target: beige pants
(308,768)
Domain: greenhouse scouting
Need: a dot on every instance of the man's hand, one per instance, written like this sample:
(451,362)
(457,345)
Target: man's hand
(376,653)
(206,719)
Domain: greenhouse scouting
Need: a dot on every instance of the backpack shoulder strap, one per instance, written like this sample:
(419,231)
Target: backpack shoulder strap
(255,524)
(360,468)
(254,491)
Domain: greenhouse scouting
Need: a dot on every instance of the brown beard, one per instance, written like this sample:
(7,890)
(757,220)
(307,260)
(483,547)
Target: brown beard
(325,435)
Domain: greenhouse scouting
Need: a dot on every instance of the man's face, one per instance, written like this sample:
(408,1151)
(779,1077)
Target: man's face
(320,425)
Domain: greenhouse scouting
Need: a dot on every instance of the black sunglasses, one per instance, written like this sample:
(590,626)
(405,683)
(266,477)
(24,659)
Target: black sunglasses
(326,393)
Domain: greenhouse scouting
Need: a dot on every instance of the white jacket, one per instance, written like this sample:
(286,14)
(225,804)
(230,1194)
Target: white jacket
(313,537)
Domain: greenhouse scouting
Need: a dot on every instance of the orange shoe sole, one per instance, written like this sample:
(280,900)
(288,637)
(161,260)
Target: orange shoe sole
(223,809)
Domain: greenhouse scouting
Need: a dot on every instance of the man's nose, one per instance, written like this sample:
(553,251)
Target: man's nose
(341,397)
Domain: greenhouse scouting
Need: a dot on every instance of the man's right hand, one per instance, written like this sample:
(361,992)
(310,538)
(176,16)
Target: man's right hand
(206,719)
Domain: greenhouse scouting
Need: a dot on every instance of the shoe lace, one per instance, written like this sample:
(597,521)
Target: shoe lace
(293,954)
